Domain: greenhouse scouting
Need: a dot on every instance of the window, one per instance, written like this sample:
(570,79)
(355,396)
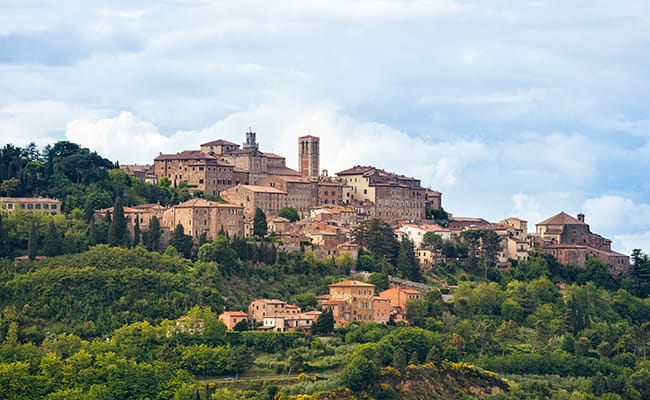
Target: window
(30,206)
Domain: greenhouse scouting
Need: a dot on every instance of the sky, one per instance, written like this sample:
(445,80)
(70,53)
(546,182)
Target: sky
(509,108)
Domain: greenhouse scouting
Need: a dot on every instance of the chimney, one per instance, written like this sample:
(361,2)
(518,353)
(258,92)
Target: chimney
(581,218)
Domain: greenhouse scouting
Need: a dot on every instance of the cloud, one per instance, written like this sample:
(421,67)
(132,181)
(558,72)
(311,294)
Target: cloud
(122,138)
(41,122)
(616,214)
(627,243)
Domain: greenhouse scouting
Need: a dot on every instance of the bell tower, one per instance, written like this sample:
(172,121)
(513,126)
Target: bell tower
(309,155)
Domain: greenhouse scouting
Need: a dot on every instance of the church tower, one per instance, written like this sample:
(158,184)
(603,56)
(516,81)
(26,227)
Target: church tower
(308,155)
(250,140)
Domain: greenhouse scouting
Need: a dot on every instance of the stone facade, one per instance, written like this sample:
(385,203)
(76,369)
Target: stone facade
(309,155)
(380,194)
(268,199)
(301,192)
(357,298)
(571,241)
(42,205)
(200,216)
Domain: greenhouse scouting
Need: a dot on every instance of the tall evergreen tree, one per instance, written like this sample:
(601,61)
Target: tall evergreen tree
(182,242)
(260,227)
(117,230)
(378,237)
(154,234)
(4,240)
(136,231)
(407,263)
(52,241)
(32,242)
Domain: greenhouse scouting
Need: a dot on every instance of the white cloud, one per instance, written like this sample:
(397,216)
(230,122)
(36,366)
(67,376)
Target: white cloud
(38,121)
(123,138)
(616,214)
(626,243)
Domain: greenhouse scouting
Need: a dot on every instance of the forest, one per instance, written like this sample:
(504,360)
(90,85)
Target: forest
(96,318)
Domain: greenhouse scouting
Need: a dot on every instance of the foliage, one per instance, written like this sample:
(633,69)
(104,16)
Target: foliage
(289,213)
(260,227)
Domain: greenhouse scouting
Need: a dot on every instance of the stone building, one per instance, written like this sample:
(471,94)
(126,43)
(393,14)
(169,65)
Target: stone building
(350,301)
(267,198)
(302,193)
(309,155)
(570,241)
(200,216)
(262,308)
(42,205)
(199,171)
(382,194)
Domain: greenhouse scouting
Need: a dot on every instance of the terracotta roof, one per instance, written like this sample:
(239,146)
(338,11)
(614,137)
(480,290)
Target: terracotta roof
(469,219)
(350,283)
(220,142)
(272,155)
(234,314)
(28,200)
(356,170)
(204,203)
(293,178)
(561,219)
(285,171)
(260,189)
(186,155)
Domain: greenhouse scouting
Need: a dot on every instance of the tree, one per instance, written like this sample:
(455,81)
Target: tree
(117,229)
(52,241)
(407,264)
(260,227)
(154,234)
(136,231)
(289,213)
(324,324)
(359,373)
(32,242)
(4,240)
(221,251)
(379,280)
(378,237)
(399,359)
(182,242)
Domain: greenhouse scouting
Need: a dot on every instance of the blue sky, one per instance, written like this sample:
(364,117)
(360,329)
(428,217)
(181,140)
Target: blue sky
(509,108)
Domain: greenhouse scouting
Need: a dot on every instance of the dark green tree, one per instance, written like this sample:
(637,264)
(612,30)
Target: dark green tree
(407,263)
(260,227)
(52,241)
(136,231)
(289,213)
(154,234)
(182,242)
(32,242)
(324,324)
(117,230)
(4,240)
(378,237)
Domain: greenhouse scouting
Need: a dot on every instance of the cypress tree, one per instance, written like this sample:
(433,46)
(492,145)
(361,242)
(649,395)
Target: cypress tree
(117,229)
(4,240)
(32,242)
(51,244)
(136,231)
(154,234)
(260,227)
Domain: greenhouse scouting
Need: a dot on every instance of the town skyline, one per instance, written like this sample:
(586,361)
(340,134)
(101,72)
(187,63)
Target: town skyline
(508,110)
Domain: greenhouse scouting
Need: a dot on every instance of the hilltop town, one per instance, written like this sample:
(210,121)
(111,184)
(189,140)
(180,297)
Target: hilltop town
(247,179)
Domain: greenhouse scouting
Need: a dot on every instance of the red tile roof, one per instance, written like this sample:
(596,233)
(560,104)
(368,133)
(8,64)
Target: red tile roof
(561,219)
